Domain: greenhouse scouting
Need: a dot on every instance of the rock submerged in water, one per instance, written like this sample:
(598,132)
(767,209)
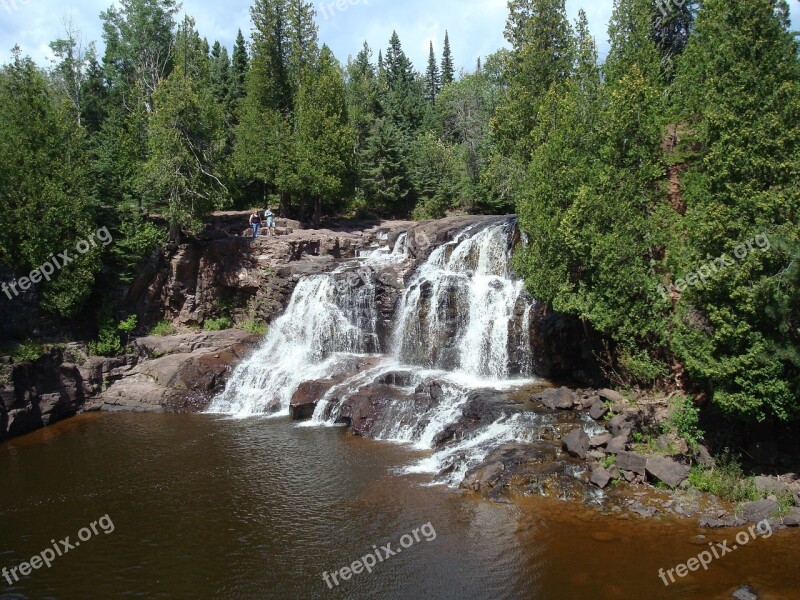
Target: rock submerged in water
(746,592)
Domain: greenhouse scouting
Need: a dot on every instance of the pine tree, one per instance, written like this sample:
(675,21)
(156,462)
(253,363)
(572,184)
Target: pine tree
(448,67)
(386,179)
(187,139)
(239,67)
(738,100)
(324,138)
(220,74)
(540,36)
(45,201)
(432,78)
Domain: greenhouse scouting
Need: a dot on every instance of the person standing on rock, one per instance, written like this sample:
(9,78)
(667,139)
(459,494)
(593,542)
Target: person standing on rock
(270,217)
(255,224)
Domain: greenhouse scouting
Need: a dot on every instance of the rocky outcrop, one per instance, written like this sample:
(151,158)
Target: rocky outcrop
(177,374)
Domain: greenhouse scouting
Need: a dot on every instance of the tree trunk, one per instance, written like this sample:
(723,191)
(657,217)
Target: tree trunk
(286,201)
(317,212)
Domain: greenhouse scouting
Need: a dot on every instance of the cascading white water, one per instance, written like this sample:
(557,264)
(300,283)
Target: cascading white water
(325,319)
(461,310)
(462,322)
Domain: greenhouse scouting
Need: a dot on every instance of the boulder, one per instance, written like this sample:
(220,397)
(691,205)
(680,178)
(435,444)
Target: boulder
(760,510)
(793,518)
(620,425)
(771,485)
(630,461)
(667,470)
(601,478)
(588,402)
(305,399)
(611,395)
(703,456)
(560,399)
(576,443)
(601,440)
(617,444)
(598,410)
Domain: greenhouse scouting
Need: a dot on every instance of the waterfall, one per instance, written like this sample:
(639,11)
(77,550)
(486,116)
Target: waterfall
(328,318)
(462,323)
(461,310)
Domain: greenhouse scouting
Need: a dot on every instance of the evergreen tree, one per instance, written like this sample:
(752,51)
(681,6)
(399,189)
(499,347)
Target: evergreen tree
(186,143)
(324,137)
(448,67)
(541,56)
(239,67)
(433,81)
(386,179)
(738,100)
(45,202)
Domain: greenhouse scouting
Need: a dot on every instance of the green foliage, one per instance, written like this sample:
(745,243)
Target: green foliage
(45,205)
(163,329)
(684,421)
(726,480)
(253,327)
(28,351)
(108,341)
(136,240)
(218,324)
(609,461)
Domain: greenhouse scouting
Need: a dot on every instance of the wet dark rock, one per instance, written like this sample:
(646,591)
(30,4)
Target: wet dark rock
(760,510)
(306,397)
(576,443)
(630,461)
(666,470)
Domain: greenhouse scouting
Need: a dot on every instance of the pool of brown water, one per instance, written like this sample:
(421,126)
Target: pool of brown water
(205,507)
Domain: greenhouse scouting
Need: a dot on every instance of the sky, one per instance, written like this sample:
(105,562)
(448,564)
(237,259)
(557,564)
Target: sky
(475,26)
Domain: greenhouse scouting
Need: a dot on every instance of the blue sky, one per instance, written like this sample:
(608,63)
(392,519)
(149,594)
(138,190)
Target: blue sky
(475,26)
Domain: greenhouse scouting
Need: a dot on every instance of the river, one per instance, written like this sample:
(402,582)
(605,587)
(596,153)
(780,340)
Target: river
(210,507)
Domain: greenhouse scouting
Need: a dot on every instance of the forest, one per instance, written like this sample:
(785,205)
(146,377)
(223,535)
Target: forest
(637,179)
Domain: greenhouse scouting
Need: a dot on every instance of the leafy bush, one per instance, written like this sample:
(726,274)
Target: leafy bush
(137,239)
(684,421)
(28,351)
(253,327)
(726,481)
(163,329)
(218,324)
